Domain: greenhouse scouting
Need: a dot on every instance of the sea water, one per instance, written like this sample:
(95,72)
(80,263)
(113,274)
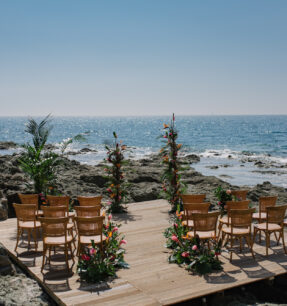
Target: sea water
(225,141)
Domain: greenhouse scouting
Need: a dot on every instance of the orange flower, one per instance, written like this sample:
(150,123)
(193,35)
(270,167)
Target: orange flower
(110,234)
(118,165)
(112,185)
(165,126)
(104,214)
(51,187)
(179,145)
(112,195)
(124,147)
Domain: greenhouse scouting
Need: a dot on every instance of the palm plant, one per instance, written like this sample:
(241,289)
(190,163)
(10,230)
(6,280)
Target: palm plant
(38,164)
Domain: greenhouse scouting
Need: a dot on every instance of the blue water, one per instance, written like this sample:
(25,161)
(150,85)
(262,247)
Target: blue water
(257,134)
(213,137)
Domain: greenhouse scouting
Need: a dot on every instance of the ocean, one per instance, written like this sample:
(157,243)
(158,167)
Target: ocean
(228,146)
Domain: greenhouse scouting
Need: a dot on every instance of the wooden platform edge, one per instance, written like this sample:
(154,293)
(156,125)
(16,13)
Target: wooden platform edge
(27,271)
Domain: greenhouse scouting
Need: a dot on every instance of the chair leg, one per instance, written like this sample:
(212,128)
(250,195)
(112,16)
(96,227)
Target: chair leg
(250,244)
(18,237)
(283,241)
(219,229)
(267,242)
(231,246)
(72,255)
(50,248)
(29,238)
(240,244)
(254,235)
(66,256)
(44,255)
(35,239)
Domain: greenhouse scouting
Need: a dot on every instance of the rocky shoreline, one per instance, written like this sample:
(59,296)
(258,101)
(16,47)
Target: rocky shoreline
(143,176)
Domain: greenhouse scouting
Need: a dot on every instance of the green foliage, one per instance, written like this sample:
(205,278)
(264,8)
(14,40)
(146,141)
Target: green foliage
(38,161)
(117,185)
(193,253)
(171,177)
(223,196)
(97,265)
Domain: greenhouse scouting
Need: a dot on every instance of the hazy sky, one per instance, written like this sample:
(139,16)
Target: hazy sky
(143,57)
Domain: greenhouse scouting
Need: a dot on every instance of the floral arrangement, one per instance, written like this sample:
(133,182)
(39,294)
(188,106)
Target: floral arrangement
(116,186)
(223,196)
(97,265)
(171,179)
(193,253)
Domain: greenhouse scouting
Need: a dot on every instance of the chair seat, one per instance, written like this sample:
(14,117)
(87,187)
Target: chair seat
(71,214)
(203,234)
(57,240)
(87,239)
(236,230)
(190,223)
(39,213)
(29,224)
(256,216)
(271,226)
(223,220)
(285,222)
(70,226)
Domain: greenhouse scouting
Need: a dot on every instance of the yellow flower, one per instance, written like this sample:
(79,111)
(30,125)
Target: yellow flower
(104,214)
(112,185)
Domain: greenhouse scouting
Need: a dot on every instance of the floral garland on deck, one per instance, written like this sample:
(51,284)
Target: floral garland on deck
(116,186)
(193,253)
(97,265)
(171,179)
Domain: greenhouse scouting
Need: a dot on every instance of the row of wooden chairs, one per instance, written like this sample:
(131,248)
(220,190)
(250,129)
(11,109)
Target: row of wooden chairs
(238,220)
(59,226)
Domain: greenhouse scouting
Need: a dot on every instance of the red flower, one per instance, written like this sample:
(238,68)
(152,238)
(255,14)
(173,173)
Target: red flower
(217,253)
(86,257)
(185,254)
(174,238)
(115,229)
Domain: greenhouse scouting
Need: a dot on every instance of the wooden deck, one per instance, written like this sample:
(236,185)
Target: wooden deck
(151,280)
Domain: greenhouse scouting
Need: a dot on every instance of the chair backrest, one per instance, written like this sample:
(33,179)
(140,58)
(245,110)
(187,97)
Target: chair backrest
(88,211)
(190,209)
(205,221)
(239,194)
(237,205)
(276,214)
(54,211)
(25,212)
(59,201)
(90,201)
(29,199)
(265,202)
(241,217)
(90,226)
(54,227)
(193,198)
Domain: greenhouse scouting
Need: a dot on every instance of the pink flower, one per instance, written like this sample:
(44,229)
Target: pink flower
(175,225)
(219,203)
(123,241)
(174,238)
(86,257)
(194,247)
(228,191)
(120,197)
(164,136)
(185,254)
(110,217)
(109,189)
(115,229)
(92,251)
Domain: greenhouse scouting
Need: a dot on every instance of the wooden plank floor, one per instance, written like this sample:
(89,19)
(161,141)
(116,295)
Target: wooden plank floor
(151,280)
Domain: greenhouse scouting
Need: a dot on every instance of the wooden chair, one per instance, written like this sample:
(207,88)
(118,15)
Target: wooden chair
(274,223)
(193,198)
(90,229)
(204,226)
(90,201)
(26,220)
(58,212)
(88,211)
(230,205)
(190,209)
(240,227)
(264,202)
(31,199)
(55,234)
(239,194)
(61,201)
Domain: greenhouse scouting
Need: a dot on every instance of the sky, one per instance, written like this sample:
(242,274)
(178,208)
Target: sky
(143,57)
